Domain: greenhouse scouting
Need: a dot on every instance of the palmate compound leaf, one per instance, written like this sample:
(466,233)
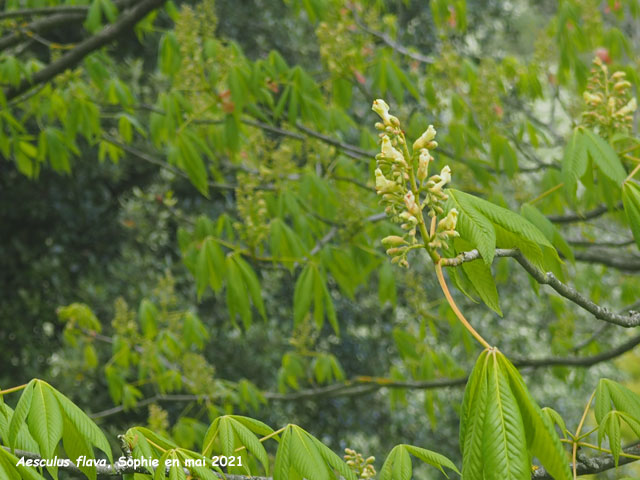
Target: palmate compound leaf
(623,399)
(500,422)
(610,427)
(231,431)
(300,455)
(46,412)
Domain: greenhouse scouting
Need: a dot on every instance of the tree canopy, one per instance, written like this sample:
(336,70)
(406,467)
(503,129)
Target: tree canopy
(319,239)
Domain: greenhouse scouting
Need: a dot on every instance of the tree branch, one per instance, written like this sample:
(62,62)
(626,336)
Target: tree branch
(33,12)
(591,465)
(390,42)
(581,217)
(364,385)
(625,263)
(40,26)
(126,21)
(632,319)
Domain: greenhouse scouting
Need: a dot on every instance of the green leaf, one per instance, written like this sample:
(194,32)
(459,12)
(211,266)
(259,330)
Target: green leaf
(12,471)
(75,446)
(548,229)
(252,283)
(333,460)
(555,418)
(210,266)
(472,419)
(610,427)
(432,458)
(20,414)
(83,424)
(504,442)
(302,294)
(304,455)
(169,54)
(623,399)
(542,439)
(251,442)
(45,419)
(236,294)
(24,440)
(603,401)
(282,465)
(473,226)
(605,157)
(574,161)
(631,203)
(148,317)
(479,274)
(190,160)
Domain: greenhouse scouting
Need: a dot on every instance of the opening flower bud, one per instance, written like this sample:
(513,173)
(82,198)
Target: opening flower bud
(382,109)
(428,135)
(423,164)
(444,178)
(391,153)
(410,203)
(449,222)
(393,241)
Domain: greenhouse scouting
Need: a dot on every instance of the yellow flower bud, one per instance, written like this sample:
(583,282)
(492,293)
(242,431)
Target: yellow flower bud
(428,135)
(391,153)
(382,109)
(410,203)
(383,185)
(449,222)
(393,241)
(423,164)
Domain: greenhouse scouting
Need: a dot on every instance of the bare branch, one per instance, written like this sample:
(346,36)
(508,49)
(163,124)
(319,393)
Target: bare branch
(581,217)
(125,22)
(591,465)
(418,57)
(632,319)
(614,259)
(40,26)
(612,243)
(365,385)
(34,12)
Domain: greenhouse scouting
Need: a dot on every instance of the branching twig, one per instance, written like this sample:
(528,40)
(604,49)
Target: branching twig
(589,466)
(632,319)
(125,22)
(33,12)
